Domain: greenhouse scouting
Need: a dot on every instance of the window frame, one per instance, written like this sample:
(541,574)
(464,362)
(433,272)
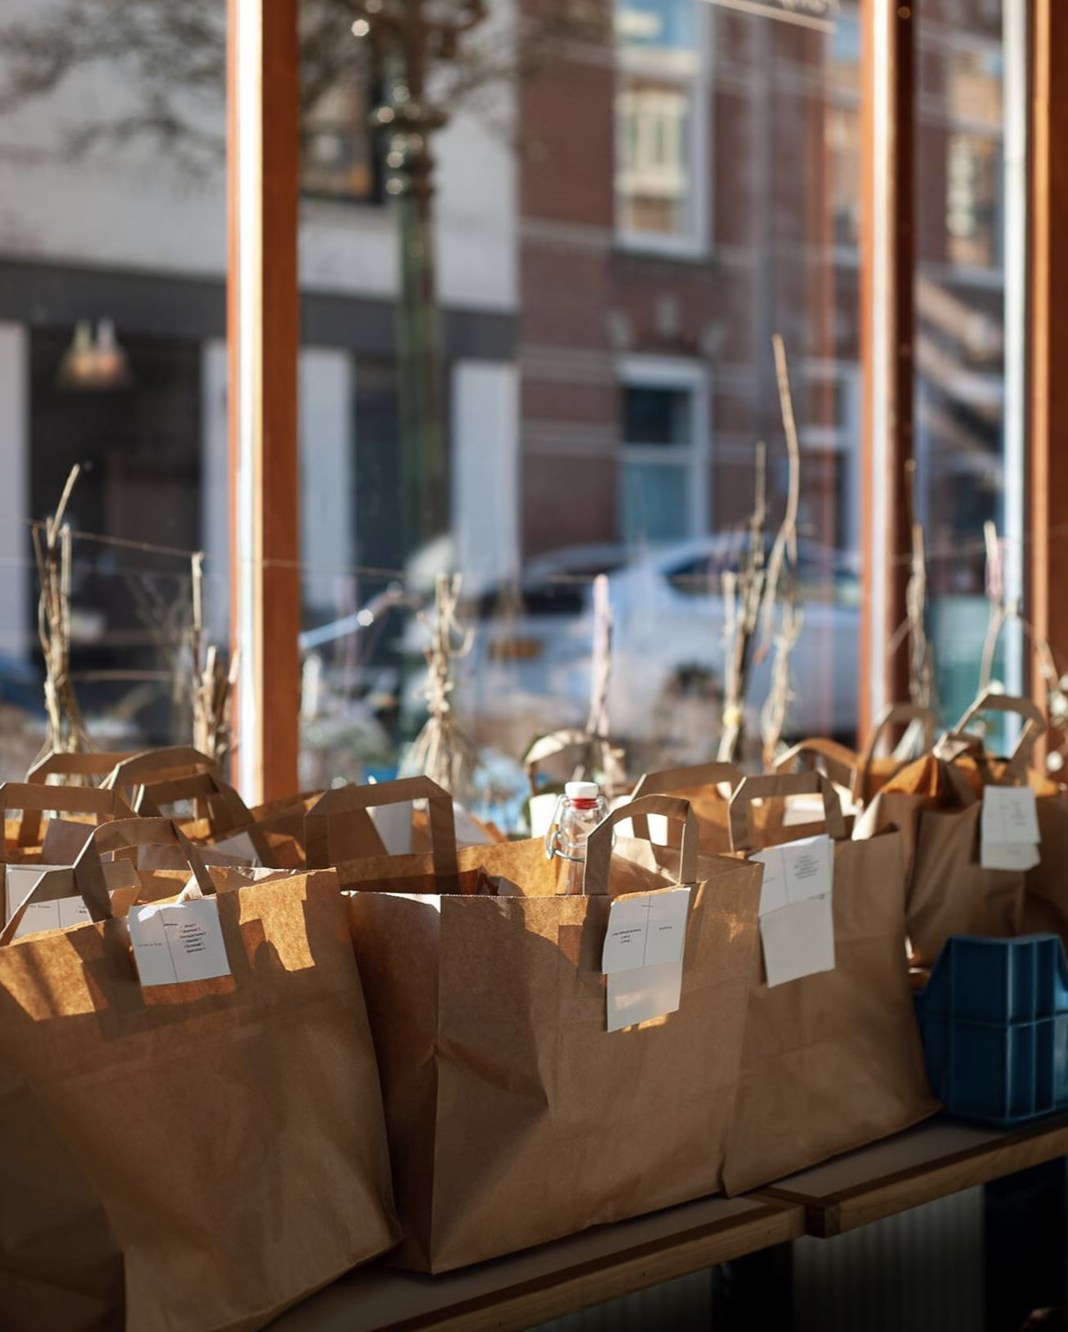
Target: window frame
(262,333)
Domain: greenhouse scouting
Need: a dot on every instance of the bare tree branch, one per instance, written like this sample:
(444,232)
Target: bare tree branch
(173,57)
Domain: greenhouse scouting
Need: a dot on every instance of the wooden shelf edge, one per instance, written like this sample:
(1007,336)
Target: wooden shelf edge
(588,1284)
(848,1209)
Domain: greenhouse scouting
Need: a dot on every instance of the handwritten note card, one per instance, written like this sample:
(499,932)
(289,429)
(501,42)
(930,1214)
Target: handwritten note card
(57,914)
(1009,835)
(178,942)
(642,957)
(796,909)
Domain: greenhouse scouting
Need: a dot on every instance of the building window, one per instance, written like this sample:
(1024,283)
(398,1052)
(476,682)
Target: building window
(664,463)
(661,125)
(973,183)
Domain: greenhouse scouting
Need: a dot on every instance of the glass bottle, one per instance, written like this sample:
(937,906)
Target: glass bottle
(578,811)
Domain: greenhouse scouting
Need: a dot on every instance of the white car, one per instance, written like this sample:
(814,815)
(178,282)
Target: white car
(532,650)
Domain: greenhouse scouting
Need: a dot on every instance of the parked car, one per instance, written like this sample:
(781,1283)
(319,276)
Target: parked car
(531,654)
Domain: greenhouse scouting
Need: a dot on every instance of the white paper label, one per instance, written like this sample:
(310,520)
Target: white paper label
(1010,815)
(177,942)
(795,872)
(646,931)
(644,994)
(1008,829)
(642,957)
(1009,855)
(797,908)
(57,915)
(798,940)
(19,882)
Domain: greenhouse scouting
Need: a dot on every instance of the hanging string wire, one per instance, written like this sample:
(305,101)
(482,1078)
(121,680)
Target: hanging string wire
(955,553)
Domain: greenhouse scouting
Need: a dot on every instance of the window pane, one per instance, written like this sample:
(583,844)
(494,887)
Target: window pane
(653,179)
(654,502)
(658,28)
(960,348)
(112,310)
(657,171)
(657,416)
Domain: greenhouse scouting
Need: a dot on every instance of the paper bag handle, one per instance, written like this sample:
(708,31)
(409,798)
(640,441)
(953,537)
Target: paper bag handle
(89,763)
(89,881)
(780,788)
(117,836)
(1025,708)
(839,761)
(548,746)
(355,801)
(154,765)
(37,798)
(217,794)
(672,779)
(599,842)
(897,714)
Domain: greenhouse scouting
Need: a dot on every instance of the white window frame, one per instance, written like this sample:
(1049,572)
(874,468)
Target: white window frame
(669,372)
(691,76)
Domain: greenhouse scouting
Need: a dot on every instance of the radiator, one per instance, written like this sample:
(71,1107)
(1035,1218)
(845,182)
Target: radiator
(921,1271)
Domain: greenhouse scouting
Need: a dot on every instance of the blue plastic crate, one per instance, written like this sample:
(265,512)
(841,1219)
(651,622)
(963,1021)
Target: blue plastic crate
(994,1020)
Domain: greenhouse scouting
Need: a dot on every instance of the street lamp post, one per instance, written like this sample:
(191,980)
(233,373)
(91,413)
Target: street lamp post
(408,36)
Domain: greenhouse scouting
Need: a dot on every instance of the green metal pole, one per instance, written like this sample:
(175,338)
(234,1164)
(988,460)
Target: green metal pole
(424,471)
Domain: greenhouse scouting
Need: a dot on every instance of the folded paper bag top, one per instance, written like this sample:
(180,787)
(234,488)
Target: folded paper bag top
(491,1011)
(831,1060)
(160,778)
(937,803)
(709,787)
(24,835)
(859,775)
(183,1115)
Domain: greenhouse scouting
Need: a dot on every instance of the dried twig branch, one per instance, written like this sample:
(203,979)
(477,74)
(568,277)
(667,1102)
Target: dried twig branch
(782,590)
(1003,612)
(601,663)
(914,626)
(442,750)
(742,595)
(213,685)
(66,730)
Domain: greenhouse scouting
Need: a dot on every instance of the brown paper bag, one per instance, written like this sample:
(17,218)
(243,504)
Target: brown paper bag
(32,800)
(831,1061)
(160,778)
(1044,909)
(193,1157)
(937,804)
(80,769)
(860,775)
(514,1116)
(708,788)
(284,818)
